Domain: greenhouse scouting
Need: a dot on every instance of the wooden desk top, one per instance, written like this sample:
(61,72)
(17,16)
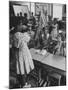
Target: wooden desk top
(55,61)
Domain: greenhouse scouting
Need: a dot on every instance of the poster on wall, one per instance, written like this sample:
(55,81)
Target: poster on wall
(21,8)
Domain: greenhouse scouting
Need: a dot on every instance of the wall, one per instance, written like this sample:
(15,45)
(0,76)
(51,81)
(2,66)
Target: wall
(57,11)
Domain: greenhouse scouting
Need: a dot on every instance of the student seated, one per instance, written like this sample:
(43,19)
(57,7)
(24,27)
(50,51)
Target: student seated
(45,36)
(41,38)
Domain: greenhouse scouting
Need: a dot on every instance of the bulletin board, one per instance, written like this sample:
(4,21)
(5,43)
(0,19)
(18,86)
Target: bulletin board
(21,8)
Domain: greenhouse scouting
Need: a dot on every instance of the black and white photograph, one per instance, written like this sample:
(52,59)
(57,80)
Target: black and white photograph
(37,44)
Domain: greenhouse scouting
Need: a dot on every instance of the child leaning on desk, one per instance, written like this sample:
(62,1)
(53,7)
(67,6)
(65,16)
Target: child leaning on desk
(58,48)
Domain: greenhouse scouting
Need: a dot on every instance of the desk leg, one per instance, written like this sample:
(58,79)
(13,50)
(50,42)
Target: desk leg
(48,82)
(59,81)
(40,76)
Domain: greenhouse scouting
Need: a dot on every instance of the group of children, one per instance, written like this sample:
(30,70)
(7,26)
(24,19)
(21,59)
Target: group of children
(41,38)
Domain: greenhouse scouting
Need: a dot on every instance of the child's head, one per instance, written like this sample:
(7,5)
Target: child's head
(55,20)
(59,37)
(46,27)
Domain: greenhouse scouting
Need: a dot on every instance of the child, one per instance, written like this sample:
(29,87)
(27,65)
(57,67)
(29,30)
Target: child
(58,47)
(24,62)
(55,29)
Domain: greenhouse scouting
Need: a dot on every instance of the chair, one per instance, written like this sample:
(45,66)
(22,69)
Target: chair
(36,73)
(49,74)
(56,76)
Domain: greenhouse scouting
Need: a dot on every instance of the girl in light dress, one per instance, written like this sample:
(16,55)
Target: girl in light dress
(24,61)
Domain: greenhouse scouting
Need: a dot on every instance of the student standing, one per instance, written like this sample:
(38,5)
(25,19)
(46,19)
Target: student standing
(24,61)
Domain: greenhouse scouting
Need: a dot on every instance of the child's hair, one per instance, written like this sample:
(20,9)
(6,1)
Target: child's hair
(59,37)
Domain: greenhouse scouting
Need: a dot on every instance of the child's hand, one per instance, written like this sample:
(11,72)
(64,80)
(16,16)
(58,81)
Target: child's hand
(56,46)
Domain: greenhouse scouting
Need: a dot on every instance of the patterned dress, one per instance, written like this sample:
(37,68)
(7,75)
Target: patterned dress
(24,62)
(54,31)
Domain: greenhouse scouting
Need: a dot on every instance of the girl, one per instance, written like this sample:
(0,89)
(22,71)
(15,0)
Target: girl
(24,61)
(55,29)
(58,47)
